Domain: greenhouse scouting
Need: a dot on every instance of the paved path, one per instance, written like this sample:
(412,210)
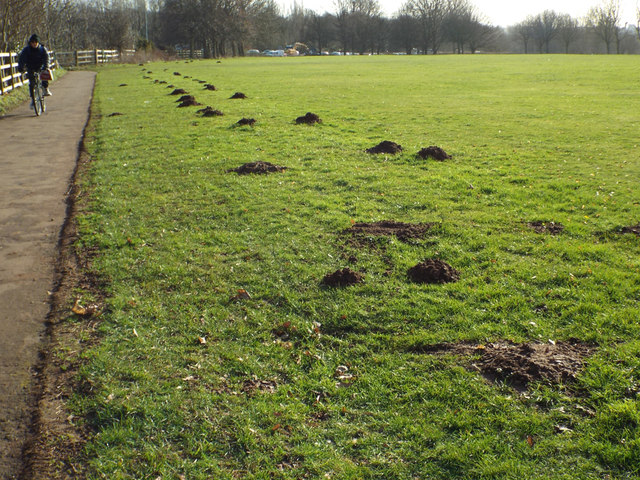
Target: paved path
(37,161)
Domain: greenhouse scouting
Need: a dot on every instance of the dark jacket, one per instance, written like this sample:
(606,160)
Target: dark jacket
(34,59)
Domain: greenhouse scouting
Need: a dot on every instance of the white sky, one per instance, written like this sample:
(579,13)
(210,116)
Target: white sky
(497,12)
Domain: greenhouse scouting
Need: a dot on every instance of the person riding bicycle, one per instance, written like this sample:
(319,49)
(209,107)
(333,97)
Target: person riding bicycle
(36,59)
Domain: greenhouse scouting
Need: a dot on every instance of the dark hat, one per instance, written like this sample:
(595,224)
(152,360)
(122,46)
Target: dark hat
(34,38)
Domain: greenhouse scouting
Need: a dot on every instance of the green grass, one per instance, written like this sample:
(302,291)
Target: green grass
(535,138)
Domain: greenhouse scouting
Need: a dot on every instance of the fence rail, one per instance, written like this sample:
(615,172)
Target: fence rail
(91,57)
(10,77)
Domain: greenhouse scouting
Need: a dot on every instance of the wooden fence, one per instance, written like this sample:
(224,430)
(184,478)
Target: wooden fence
(10,77)
(91,57)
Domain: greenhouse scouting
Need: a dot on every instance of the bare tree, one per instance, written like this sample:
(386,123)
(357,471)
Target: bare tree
(431,14)
(18,19)
(524,31)
(604,20)
(357,22)
(568,30)
(322,30)
(545,28)
(404,30)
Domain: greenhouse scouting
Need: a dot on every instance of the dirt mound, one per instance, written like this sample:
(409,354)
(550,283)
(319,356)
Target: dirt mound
(546,227)
(342,278)
(246,121)
(189,102)
(434,152)
(257,167)
(404,231)
(385,147)
(123,85)
(177,73)
(632,229)
(238,95)
(210,112)
(521,364)
(433,271)
(185,98)
(252,386)
(178,91)
(308,119)
(115,114)
(208,86)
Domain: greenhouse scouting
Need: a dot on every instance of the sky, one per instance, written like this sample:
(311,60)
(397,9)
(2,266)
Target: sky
(496,12)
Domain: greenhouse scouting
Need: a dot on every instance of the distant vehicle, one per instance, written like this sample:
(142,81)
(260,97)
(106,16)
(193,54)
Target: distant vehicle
(253,52)
(273,53)
(337,54)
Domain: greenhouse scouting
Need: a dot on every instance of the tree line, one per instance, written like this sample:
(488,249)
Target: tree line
(230,27)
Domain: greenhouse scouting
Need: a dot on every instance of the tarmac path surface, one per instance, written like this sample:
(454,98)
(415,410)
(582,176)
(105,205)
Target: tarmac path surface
(37,162)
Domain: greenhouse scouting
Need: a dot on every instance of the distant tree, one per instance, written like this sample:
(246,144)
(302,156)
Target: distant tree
(357,22)
(524,31)
(463,26)
(404,30)
(545,28)
(568,30)
(604,20)
(431,16)
(322,30)
(268,26)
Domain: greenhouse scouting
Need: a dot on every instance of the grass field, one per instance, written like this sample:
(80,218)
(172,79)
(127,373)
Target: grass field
(220,354)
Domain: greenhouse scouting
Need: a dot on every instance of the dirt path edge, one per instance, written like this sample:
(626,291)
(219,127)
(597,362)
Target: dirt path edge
(54,448)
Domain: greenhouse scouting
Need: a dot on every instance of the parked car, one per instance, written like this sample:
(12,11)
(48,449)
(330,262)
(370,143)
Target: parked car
(253,52)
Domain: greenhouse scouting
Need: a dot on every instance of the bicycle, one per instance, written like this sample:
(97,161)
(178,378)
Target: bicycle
(36,92)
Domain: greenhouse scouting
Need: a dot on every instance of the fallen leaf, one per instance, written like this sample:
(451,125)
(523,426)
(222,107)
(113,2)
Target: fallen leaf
(241,295)
(202,340)
(530,440)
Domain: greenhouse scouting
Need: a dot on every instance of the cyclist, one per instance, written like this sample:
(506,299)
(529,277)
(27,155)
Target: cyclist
(36,59)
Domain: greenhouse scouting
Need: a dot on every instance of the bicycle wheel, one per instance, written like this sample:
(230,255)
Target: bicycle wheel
(36,98)
(43,107)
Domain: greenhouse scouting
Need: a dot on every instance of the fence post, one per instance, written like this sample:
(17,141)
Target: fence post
(13,80)
(77,59)
(1,82)
(95,56)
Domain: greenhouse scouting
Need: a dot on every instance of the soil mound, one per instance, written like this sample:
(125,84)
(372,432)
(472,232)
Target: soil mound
(257,167)
(246,121)
(238,95)
(342,278)
(385,147)
(210,112)
(185,98)
(632,229)
(123,85)
(208,86)
(115,114)
(308,119)
(433,271)
(189,102)
(546,227)
(177,73)
(177,91)
(253,386)
(403,231)
(434,152)
(521,364)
